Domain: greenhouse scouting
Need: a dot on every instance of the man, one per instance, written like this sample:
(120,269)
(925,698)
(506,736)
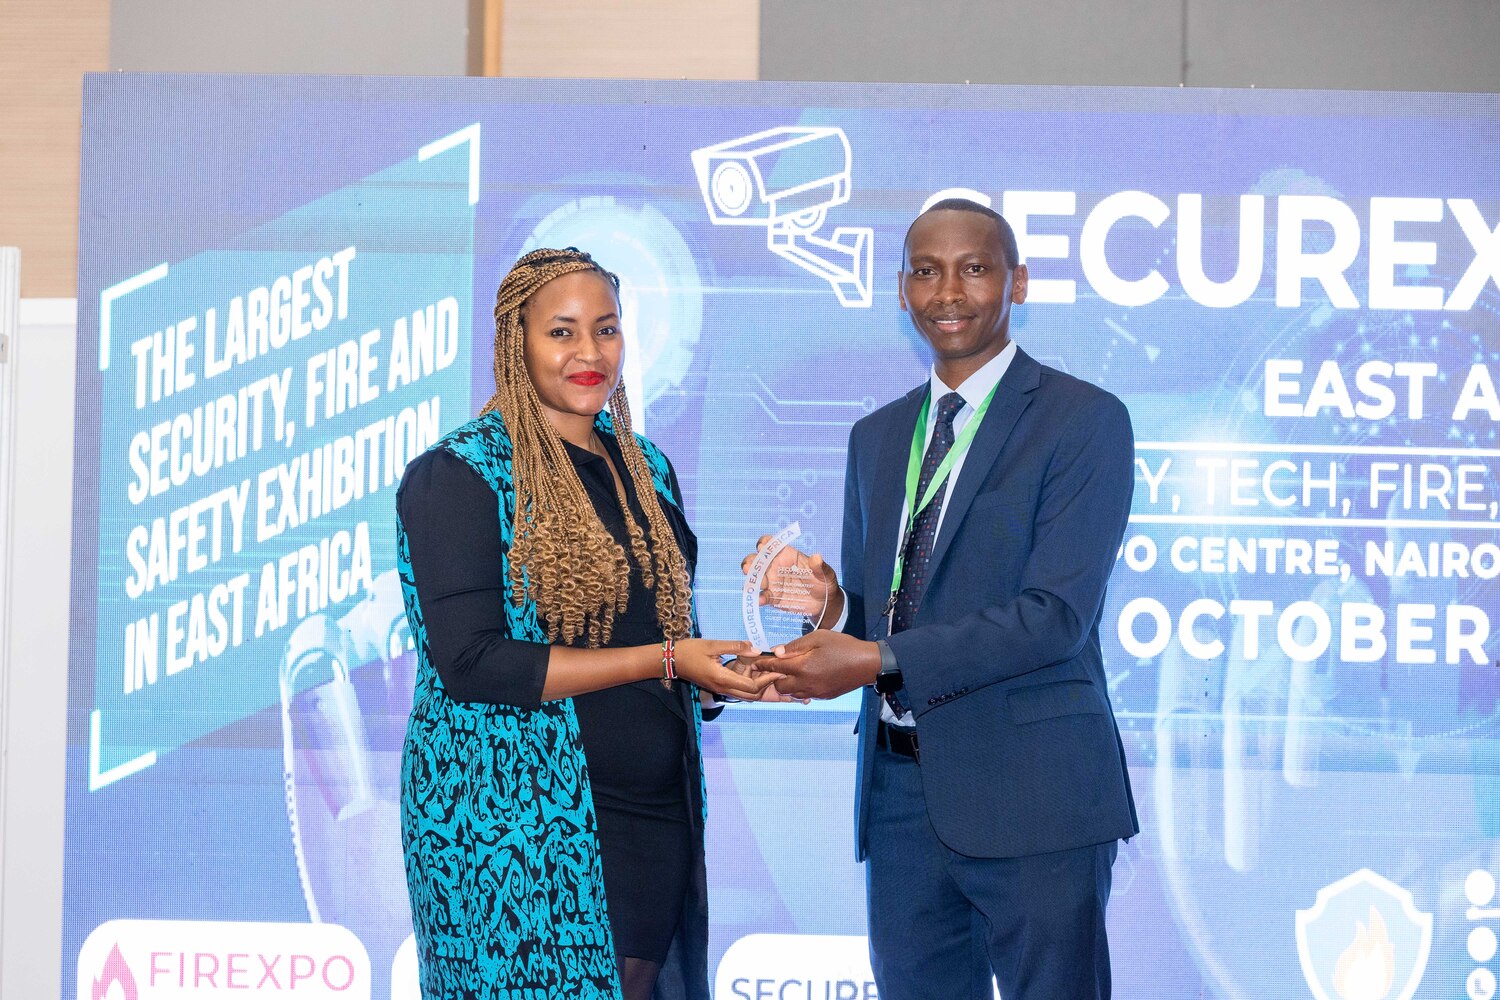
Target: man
(992,787)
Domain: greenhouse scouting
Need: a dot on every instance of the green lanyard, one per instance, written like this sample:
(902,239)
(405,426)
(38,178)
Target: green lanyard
(914,473)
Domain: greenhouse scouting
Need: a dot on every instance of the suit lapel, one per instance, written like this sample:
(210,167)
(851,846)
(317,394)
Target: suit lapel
(887,497)
(1011,399)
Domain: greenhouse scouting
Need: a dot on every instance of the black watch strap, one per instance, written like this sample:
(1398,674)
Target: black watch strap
(889,680)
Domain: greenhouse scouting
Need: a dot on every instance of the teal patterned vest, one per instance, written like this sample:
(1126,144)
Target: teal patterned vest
(498,818)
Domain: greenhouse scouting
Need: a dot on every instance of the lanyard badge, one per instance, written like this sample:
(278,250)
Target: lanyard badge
(914,505)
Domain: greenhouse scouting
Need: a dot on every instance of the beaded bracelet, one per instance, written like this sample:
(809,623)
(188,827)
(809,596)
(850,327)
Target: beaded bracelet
(668,663)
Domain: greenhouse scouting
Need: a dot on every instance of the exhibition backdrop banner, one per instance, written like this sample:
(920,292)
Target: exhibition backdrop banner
(285,293)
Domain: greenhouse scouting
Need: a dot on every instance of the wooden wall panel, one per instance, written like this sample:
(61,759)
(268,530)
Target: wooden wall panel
(662,39)
(45,48)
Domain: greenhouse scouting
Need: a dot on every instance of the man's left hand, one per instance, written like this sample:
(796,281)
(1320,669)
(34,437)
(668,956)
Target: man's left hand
(824,664)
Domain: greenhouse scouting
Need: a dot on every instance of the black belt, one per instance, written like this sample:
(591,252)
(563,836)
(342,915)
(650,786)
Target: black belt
(898,739)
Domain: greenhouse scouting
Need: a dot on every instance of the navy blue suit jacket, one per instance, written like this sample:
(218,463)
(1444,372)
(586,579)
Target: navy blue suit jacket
(1020,754)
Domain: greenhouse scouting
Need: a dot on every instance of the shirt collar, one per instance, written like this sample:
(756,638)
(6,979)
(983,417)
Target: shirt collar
(582,456)
(978,385)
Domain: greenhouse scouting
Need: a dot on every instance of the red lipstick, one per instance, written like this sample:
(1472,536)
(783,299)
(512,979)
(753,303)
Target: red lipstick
(586,378)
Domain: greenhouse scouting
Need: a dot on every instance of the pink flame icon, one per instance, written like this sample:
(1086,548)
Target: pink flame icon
(116,971)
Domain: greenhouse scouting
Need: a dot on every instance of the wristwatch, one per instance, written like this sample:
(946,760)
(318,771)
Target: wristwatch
(889,680)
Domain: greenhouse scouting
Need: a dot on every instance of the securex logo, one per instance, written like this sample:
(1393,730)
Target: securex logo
(177,959)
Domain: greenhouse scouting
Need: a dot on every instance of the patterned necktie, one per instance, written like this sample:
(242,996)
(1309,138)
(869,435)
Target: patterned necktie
(924,532)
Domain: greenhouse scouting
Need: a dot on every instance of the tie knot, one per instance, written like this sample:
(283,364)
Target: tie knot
(948,408)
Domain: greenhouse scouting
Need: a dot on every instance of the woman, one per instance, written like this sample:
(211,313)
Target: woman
(552,791)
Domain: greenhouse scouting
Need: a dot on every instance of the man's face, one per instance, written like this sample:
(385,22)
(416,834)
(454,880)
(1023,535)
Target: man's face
(958,288)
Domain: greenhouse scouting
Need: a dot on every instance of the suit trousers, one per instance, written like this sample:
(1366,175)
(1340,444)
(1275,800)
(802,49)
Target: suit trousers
(941,922)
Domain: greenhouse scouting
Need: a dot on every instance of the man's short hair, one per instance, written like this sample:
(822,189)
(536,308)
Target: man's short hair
(1007,235)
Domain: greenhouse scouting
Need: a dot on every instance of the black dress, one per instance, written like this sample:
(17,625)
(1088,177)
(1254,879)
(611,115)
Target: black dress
(635,736)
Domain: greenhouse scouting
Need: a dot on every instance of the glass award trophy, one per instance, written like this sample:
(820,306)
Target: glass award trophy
(796,599)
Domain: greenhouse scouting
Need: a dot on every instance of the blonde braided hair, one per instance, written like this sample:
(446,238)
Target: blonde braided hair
(561,552)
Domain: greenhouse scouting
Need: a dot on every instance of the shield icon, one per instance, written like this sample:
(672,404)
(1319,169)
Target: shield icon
(1363,939)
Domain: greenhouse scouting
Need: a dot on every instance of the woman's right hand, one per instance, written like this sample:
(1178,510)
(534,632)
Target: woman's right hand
(700,661)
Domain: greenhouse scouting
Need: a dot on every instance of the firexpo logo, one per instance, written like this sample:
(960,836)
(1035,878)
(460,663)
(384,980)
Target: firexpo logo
(115,978)
(178,959)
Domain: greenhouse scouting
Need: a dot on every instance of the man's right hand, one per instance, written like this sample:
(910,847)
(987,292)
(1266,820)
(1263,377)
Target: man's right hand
(799,583)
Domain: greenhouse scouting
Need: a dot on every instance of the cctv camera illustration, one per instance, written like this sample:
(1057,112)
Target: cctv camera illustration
(786,179)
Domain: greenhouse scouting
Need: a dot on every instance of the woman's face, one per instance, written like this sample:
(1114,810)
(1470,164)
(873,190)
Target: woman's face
(573,345)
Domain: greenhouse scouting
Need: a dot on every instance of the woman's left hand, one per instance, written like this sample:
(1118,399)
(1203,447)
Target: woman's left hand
(701,661)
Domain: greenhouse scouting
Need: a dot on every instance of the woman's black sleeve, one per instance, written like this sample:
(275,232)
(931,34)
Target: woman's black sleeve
(452,522)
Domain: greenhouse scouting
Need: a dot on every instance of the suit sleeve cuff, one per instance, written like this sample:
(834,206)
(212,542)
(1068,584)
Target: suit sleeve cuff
(838,626)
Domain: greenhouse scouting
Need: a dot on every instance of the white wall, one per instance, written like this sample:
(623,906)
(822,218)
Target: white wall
(35,547)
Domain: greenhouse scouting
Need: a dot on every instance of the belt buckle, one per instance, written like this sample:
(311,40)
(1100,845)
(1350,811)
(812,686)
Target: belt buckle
(908,738)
